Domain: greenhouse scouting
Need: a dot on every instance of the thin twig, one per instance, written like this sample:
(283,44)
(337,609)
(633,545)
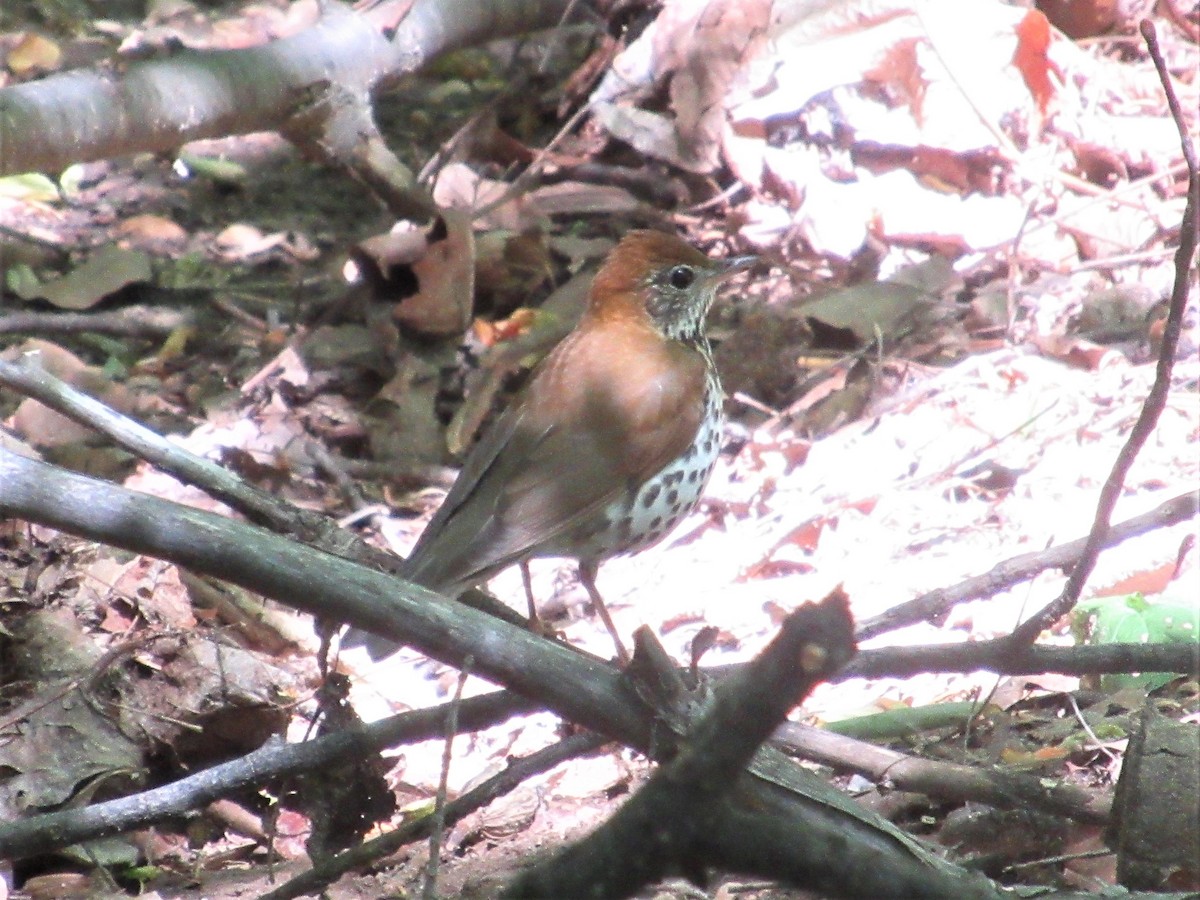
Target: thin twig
(438,829)
(518,186)
(1013,571)
(1156,400)
(132,321)
(315,880)
(53,831)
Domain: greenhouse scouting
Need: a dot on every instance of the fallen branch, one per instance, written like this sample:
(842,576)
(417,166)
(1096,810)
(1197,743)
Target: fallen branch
(940,601)
(317,878)
(53,831)
(667,826)
(945,781)
(130,321)
(1002,656)
(155,105)
(259,506)
(781,801)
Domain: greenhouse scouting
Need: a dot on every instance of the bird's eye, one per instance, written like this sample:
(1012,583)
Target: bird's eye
(681,277)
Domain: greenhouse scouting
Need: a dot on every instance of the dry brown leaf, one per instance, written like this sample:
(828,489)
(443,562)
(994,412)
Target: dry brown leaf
(40,425)
(240,241)
(155,233)
(33,54)
(445,276)
(696,49)
(1032,60)
(1080,353)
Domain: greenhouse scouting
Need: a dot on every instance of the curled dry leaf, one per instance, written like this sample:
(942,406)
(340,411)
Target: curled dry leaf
(429,276)
(240,241)
(699,50)
(151,232)
(1080,353)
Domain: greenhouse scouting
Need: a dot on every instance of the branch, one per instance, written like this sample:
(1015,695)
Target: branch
(157,105)
(777,802)
(945,781)
(1003,657)
(1028,631)
(257,505)
(317,878)
(938,602)
(53,831)
(130,321)
(663,828)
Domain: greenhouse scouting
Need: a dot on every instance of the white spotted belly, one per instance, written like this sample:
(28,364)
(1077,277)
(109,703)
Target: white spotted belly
(665,499)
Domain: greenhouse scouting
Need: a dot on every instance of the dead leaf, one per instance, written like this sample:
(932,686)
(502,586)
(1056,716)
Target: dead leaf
(428,276)
(963,172)
(33,54)
(577,198)
(1080,353)
(105,272)
(43,427)
(58,886)
(697,51)
(520,322)
(240,241)
(155,233)
(1032,58)
(1097,163)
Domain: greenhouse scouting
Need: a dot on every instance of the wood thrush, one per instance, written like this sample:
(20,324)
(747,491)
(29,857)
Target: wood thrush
(609,444)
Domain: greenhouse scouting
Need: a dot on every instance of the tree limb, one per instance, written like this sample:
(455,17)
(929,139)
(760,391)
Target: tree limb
(158,104)
(777,802)
(53,831)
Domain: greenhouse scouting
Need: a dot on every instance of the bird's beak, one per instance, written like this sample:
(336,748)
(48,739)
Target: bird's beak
(727,268)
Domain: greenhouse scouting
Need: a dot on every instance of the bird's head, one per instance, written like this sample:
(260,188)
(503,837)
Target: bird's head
(660,277)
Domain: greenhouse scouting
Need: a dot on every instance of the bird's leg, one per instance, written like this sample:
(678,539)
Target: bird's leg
(587,575)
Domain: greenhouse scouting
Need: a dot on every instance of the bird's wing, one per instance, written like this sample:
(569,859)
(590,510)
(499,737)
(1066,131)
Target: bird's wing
(577,439)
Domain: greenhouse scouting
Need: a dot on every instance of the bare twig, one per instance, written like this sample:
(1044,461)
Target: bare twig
(438,829)
(28,377)
(780,801)
(1156,400)
(1012,571)
(53,831)
(131,321)
(1004,657)
(946,781)
(313,881)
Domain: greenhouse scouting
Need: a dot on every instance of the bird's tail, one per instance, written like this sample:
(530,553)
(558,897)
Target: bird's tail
(378,647)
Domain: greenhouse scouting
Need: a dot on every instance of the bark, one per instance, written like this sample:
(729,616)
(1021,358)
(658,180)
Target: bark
(158,104)
(786,823)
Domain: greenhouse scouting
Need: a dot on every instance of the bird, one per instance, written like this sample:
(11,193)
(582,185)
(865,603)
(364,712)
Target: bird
(605,449)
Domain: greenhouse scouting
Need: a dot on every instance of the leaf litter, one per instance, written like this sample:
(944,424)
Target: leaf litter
(1039,172)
